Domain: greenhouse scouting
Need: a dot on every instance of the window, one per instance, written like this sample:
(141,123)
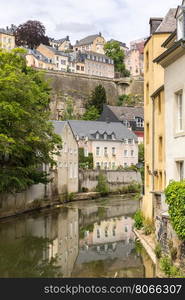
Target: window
(82,68)
(75,170)
(106,233)
(147,61)
(86,153)
(98,233)
(125,165)
(180,170)
(57,58)
(147,93)
(180,27)
(105,151)
(139,122)
(160,148)
(70,171)
(105,136)
(130,141)
(97,151)
(78,68)
(125,153)
(159,103)
(105,165)
(98,165)
(132,153)
(113,165)
(114,231)
(179,126)
(147,133)
(97,136)
(109,165)
(63,62)
(113,151)
(113,136)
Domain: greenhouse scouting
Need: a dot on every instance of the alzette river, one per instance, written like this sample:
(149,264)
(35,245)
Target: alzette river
(80,239)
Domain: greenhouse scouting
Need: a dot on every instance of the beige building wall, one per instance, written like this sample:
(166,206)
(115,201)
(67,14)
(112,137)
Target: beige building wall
(97,46)
(96,68)
(7,41)
(153,80)
(32,61)
(67,163)
(111,154)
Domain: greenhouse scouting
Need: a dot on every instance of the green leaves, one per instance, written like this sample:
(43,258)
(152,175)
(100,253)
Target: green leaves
(25,129)
(175,197)
(113,50)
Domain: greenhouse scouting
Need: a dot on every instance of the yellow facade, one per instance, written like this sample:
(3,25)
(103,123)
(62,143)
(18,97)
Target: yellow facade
(154,114)
(7,41)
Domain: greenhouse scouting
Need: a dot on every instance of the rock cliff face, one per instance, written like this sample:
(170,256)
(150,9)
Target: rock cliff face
(76,89)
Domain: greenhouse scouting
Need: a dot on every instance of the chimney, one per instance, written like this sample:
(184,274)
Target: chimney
(67,38)
(154,24)
(99,33)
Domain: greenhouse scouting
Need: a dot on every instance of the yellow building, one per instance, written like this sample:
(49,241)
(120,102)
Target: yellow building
(94,43)
(7,39)
(154,111)
(35,59)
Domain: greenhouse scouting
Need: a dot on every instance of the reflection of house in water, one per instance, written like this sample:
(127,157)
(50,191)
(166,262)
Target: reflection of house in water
(67,240)
(106,260)
(109,249)
(109,231)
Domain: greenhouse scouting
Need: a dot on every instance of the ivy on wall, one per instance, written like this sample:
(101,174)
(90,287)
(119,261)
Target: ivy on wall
(175,197)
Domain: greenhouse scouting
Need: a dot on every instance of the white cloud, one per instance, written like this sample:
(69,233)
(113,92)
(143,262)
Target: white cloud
(124,20)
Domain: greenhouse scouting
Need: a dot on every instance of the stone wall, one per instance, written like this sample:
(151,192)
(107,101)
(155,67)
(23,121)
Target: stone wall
(78,88)
(164,231)
(116,179)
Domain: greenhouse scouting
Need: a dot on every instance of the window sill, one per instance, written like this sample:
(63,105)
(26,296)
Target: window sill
(179,134)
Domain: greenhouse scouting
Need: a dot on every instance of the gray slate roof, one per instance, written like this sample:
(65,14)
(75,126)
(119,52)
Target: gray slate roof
(38,55)
(58,126)
(6,31)
(169,22)
(87,40)
(127,112)
(90,128)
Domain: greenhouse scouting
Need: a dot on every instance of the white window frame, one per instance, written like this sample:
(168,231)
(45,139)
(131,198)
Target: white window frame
(179,112)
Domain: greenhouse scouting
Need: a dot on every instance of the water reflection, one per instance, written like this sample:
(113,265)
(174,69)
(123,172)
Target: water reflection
(84,239)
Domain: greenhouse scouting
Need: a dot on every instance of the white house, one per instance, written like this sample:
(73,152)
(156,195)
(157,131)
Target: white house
(173,62)
(112,144)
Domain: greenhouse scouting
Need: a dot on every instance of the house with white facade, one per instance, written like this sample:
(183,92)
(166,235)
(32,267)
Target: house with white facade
(112,144)
(173,62)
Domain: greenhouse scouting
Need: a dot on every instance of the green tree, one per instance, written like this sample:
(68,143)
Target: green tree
(113,50)
(85,162)
(69,110)
(91,114)
(98,98)
(102,186)
(27,140)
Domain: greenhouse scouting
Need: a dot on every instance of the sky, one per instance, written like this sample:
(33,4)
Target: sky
(123,20)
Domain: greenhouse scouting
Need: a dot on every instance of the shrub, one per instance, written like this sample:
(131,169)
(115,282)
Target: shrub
(158,251)
(169,269)
(138,218)
(173,250)
(134,188)
(102,186)
(84,190)
(148,227)
(175,197)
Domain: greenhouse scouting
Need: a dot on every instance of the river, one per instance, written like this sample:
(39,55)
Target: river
(79,239)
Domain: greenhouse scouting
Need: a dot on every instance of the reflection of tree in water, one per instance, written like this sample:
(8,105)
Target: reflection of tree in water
(27,257)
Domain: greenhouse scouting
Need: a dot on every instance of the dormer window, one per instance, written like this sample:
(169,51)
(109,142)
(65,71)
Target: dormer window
(105,136)
(181,23)
(113,136)
(97,136)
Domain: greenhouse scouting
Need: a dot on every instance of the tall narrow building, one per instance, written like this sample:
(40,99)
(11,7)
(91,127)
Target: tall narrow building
(154,112)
